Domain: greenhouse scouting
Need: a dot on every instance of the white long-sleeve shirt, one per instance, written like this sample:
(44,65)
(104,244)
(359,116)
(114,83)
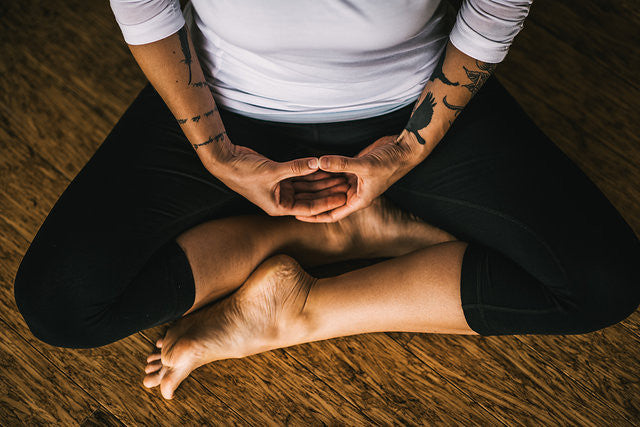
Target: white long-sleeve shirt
(314,61)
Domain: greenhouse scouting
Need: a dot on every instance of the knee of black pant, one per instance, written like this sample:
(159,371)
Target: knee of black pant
(610,298)
(49,307)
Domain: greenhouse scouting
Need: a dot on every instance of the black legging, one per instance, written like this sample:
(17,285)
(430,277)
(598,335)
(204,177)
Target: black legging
(547,254)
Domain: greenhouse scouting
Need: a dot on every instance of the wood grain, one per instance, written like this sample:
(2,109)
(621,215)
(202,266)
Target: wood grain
(503,375)
(376,373)
(34,391)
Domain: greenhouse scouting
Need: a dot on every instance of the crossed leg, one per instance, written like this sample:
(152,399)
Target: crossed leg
(277,304)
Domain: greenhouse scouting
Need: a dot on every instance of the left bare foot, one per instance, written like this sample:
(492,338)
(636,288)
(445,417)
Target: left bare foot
(263,314)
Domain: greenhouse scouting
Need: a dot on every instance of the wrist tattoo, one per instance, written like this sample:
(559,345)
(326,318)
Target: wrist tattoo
(456,108)
(216,138)
(421,116)
(439,74)
(196,119)
(478,77)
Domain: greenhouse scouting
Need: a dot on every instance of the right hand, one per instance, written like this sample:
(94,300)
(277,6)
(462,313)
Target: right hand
(272,186)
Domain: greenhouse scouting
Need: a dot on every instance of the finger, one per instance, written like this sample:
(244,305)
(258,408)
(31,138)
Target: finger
(319,174)
(297,167)
(333,163)
(316,206)
(342,188)
(330,216)
(321,184)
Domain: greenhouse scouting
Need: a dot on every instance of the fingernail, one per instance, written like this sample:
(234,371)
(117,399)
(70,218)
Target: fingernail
(324,162)
(313,163)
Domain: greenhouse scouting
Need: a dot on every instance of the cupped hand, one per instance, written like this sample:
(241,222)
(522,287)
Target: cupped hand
(272,185)
(368,175)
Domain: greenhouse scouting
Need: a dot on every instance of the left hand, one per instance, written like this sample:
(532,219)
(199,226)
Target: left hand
(368,175)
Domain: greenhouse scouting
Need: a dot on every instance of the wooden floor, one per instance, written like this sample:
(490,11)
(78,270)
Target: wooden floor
(67,77)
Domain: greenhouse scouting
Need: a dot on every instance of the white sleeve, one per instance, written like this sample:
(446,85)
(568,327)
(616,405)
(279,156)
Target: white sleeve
(146,21)
(485,29)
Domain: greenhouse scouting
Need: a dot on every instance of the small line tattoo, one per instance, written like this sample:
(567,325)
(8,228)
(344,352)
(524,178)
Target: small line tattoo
(184,44)
(456,108)
(197,118)
(199,84)
(216,138)
(439,74)
(421,116)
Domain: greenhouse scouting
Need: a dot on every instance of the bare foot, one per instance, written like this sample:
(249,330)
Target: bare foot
(263,314)
(384,230)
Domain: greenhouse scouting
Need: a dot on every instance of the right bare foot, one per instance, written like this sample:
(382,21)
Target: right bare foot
(384,230)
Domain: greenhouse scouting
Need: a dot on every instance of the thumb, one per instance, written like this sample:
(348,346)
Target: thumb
(333,163)
(297,167)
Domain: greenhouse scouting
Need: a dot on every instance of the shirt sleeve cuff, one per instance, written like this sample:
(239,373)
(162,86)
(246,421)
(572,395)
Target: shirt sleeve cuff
(485,29)
(165,23)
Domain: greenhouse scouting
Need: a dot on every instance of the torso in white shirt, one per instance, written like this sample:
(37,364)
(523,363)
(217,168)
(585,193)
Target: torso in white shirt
(312,61)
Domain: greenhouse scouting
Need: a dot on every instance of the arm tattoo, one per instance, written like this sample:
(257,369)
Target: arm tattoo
(216,138)
(456,108)
(478,77)
(439,74)
(197,118)
(199,84)
(421,117)
(184,44)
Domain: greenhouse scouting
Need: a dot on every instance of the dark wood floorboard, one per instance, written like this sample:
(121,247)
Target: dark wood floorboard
(67,77)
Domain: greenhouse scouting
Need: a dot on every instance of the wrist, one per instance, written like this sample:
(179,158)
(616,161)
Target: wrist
(415,151)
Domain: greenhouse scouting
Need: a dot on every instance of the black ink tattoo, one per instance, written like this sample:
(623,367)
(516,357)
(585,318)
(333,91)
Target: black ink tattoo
(456,108)
(196,119)
(439,74)
(216,138)
(199,84)
(478,77)
(421,116)
(184,44)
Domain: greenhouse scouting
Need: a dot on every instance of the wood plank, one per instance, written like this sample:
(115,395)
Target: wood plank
(388,383)
(604,32)
(72,99)
(32,390)
(101,418)
(505,377)
(606,363)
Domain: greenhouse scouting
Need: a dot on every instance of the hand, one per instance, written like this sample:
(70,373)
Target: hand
(272,185)
(368,174)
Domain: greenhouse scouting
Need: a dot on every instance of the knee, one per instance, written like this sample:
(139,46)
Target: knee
(610,299)
(50,307)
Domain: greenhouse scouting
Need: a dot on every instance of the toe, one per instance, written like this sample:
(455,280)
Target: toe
(153,357)
(171,380)
(154,379)
(153,367)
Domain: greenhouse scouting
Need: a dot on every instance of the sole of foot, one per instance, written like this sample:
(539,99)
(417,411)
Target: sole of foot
(263,314)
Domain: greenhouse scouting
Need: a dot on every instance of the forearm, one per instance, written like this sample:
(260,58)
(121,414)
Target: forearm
(455,80)
(173,69)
